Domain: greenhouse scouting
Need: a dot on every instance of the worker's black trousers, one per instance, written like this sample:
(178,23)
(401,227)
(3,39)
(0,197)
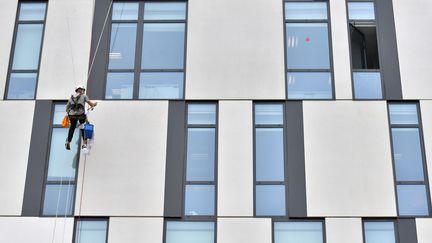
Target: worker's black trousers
(73,123)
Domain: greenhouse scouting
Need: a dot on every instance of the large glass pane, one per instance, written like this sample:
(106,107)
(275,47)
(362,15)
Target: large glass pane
(309,85)
(62,162)
(200,200)
(163,46)
(32,11)
(270,200)
(119,86)
(269,114)
(167,85)
(269,154)
(164,11)
(59,199)
(122,46)
(407,154)
(22,86)
(309,11)
(403,114)
(298,232)
(412,200)
(307,46)
(91,231)
(125,11)
(27,47)
(59,113)
(367,85)
(189,232)
(201,114)
(361,11)
(200,154)
(379,232)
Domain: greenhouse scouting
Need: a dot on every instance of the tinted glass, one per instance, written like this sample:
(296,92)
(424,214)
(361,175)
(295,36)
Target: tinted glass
(269,114)
(59,113)
(270,200)
(407,154)
(379,232)
(189,232)
(59,199)
(165,11)
(412,200)
(27,47)
(32,11)
(298,232)
(91,231)
(125,11)
(200,154)
(122,46)
(119,86)
(167,85)
(310,11)
(309,85)
(403,114)
(269,154)
(200,200)
(22,86)
(163,46)
(307,46)
(201,114)
(361,11)
(62,162)
(367,85)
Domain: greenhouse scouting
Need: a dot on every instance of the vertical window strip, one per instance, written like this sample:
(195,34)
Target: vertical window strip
(91,230)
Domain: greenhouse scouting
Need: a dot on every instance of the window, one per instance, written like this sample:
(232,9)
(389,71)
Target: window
(147,50)
(269,160)
(364,50)
(200,186)
(60,181)
(308,61)
(91,230)
(25,58)
(409,160)
(298,231)
(189,232)
(379,232)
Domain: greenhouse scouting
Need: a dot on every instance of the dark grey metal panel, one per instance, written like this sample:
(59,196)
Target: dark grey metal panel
(388,49)
(37,158)
(96,83)
(407,230)
(295,169)
(175,159)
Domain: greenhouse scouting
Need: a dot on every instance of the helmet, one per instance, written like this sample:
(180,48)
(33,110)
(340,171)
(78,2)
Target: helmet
(79,87)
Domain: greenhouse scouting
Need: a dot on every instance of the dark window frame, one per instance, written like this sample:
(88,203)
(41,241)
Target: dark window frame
(316,220)
(367,220)
(79,219)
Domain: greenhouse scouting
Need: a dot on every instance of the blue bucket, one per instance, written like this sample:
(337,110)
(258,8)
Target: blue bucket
(88,131)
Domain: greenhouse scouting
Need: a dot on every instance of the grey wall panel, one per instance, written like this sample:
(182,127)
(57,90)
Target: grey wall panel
(175,157)
(342,230)
(16,130)
(424,232)
(37,158)
(407,230)
(426,115)
(251,230)
(128,230)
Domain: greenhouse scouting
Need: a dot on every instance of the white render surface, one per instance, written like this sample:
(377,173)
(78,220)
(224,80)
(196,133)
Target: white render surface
(342,230)
(413,32)
(235,159)
(8,10)
(235,50)
(348,159)
(125,172)
(16,129)
(66,48)
(251,230)
(131,230)
(29,229)
(424,232)
(426,115)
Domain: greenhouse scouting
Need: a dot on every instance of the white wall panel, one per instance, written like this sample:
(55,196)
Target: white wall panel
(132,230)
(235,50)
(426,115)
(25,230)
(125,172)
(413,32)
(348,159)
(251,230)
(66,48)
(424,232)
(342,230)
(16,128)
(8,10)
(235,159)
(341,51)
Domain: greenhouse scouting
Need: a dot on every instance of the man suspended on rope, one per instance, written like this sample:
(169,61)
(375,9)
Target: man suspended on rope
(75,109)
